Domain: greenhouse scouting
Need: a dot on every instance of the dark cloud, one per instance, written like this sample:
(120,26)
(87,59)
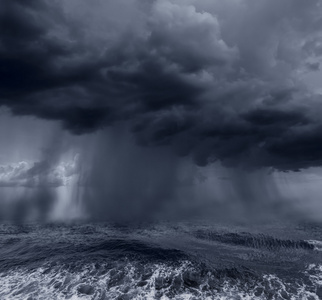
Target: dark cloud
(218,81)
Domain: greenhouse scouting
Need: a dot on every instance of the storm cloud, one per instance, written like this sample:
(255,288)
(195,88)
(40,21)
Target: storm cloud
(217,80)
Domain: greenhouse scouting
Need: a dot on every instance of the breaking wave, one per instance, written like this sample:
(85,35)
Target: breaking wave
(99,262)
(256,241)
(134,280)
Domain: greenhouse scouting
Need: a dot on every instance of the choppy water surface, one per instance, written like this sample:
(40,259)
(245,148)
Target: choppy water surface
(164,261)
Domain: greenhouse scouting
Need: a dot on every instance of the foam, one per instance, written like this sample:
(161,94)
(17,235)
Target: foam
(133,280)
(317,244)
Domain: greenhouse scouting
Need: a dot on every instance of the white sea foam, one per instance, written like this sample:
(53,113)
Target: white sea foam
(158,281)
(317,244)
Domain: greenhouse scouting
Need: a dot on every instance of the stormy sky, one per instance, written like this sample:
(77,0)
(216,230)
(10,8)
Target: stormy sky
(150,85)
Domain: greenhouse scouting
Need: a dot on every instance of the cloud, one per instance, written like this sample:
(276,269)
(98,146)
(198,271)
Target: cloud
(211,79)
(37,174)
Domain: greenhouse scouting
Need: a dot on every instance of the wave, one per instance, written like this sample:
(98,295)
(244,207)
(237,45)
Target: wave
(316,244)
(101,262)
(19,252)
(135,249)
(254,241)
(125,280)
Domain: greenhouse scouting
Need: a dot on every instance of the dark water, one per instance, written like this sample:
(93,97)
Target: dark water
(164,261)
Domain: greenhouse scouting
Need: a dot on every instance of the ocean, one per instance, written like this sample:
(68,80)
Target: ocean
(165,260)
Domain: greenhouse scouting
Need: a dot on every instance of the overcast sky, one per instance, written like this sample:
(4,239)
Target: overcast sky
(227,80)
(234,81)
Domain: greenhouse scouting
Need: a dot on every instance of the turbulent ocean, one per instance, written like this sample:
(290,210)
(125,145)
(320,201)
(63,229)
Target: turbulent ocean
(160,261)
